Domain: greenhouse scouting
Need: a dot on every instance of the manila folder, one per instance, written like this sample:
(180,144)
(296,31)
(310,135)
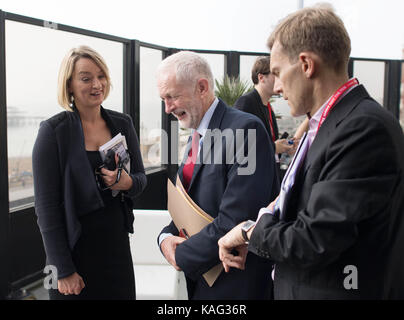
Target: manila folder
(185,215)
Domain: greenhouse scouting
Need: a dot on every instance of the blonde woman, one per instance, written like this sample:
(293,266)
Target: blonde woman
(83,225)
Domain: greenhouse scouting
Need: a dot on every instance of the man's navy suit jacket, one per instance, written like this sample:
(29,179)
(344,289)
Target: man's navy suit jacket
(230,198)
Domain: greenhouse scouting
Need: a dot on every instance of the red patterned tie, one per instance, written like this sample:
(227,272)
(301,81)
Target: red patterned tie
(188,169)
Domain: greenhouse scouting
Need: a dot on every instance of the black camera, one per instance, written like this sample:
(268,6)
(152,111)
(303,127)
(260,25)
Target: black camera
(110,164)
(109,161)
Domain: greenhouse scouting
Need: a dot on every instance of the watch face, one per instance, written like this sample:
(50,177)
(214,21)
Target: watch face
(247,226)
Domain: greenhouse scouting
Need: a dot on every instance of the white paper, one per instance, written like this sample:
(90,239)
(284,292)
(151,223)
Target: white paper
(119,145)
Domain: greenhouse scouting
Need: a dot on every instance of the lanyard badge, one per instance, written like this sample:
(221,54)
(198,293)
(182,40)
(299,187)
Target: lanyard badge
(331,103)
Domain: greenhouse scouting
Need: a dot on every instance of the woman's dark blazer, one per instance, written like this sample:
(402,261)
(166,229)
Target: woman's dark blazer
(64,183)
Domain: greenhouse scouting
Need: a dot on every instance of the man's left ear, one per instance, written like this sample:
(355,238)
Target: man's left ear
(202,86)
(308,63)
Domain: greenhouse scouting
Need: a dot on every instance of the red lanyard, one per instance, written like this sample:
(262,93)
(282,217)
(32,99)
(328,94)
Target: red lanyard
(271,122)
(334,99)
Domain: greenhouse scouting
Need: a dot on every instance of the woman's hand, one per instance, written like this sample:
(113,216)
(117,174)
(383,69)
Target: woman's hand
(72,284)
(125,181)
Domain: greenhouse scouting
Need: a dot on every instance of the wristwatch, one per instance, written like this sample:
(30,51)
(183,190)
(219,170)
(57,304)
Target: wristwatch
(245,228)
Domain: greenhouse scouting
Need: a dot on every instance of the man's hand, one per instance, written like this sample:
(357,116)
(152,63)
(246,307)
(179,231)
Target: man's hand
(168,247)
(282,146)
(72,284)
(233,240)
(271,206)
(295,144)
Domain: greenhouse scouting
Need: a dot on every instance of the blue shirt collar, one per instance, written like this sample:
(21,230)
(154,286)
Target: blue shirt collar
(204,124)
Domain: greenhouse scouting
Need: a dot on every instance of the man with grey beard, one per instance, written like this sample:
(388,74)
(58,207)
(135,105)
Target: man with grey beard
(227,188)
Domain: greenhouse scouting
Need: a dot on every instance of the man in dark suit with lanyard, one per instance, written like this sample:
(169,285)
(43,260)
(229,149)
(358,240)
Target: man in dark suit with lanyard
(257,102)
(227,188)
(336,231)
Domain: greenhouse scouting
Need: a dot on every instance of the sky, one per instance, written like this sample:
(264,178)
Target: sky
(376,27)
